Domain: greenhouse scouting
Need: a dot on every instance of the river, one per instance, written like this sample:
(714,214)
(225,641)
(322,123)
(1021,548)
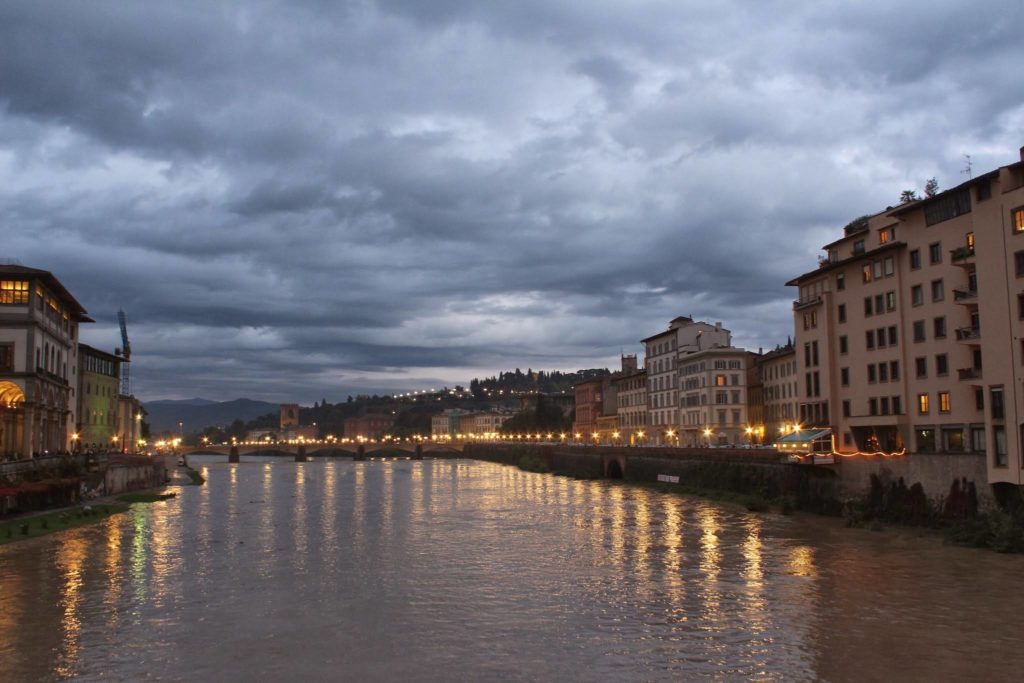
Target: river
(454,570)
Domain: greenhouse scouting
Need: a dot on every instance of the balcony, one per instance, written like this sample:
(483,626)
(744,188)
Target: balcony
(967,374)
(807,303)
(965,296)
(968,334)
(962,256)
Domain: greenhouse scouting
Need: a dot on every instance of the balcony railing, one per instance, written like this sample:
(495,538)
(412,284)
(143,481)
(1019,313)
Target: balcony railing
(968,333)
(965,295)
(962,254)
(807,302)
(969,373)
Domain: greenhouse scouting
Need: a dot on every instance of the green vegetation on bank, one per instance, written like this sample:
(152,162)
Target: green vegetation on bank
(21,528)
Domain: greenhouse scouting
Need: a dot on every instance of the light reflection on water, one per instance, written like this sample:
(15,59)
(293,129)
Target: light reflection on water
(441,570)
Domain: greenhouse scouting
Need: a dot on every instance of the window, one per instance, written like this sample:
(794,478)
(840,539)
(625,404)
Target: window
(940,327)
(883,372)
(843,345)
(844,376)
(1017,220)
(6,357)
(872,406)
(983,191)
(890,301)
(858,247)
(846,408)
(865,272)
(938,291)
(880,336)
(979,399)
(884,405)
(842,313)
(996,403)
(1018,261)
(922,404)
(897,408)
(719,380)
(885,236)
(867,307)
(1020,306)
(869,338)
(876,267)
(925,440)
(918,330)
(892,335)
(894,370)
(999,433)
(871,374)
(951,205)
(915,259)
(916,295)
(879,304)
(935,253)
(943,401)
(978,439)
(941,365)
(889,267)
(14,292)
(840,282)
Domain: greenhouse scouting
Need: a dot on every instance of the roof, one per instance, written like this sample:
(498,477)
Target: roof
(660,334)
(619,378)
(102,354)
(910,206)
(52,283)
(832,265)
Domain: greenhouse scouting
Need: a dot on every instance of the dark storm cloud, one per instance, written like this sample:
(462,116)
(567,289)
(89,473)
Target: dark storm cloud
(316,199)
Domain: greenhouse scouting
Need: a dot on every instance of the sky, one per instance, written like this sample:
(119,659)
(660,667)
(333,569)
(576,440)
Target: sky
(306,199)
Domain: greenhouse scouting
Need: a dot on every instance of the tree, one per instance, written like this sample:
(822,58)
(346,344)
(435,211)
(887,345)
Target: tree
(908,196)
(931,188)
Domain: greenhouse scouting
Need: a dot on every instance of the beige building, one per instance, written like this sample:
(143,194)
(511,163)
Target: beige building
(487,423)
(99,381)
(910,333)
(714,396)
(661,358)
(38,362)
(779,391)
(631,405)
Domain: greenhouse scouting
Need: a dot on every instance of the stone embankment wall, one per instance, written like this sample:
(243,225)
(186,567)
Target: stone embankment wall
(934,471)
(752,471)
(133,474)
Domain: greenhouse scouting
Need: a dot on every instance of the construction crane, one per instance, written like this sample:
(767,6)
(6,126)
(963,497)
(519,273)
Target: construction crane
(126,353)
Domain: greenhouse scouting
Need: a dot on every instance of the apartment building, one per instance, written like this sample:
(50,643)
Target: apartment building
(714,386)
(910,333)
(38,362)
(661,360)
(99,383)
(779,390)
(631,397)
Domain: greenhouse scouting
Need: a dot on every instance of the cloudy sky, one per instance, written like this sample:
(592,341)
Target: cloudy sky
(297,200)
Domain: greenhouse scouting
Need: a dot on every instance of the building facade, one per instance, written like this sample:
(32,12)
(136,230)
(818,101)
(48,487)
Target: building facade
(589,405)
(631,399)
(779,391)
(910,333)
(39,322)
(662,353)
(99,383)
(714,396)
(368,426)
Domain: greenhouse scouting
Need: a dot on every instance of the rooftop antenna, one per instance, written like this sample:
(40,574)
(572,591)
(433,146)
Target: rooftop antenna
(967,168)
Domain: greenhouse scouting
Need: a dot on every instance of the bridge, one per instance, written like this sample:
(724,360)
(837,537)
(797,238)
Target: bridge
(318,449)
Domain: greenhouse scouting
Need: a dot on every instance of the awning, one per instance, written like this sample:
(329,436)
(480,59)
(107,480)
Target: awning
(804,439)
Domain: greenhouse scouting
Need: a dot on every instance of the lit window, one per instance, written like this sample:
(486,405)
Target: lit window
(1018,220)
(14,292)
(922,404)
(943,401)
(885,236)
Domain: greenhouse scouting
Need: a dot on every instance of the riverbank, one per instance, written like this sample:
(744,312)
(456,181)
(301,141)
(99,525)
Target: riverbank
(761,482)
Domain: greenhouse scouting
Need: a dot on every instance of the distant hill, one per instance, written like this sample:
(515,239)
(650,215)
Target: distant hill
(198,413)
